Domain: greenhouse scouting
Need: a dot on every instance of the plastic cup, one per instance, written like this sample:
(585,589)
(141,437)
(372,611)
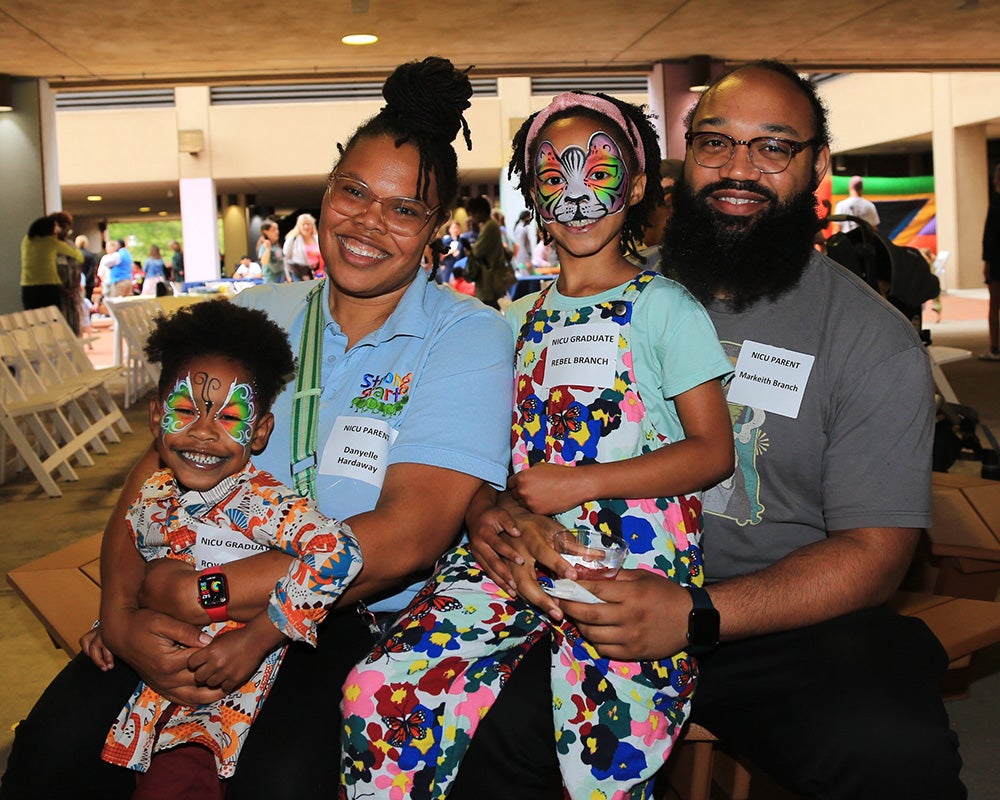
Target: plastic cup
(595,556)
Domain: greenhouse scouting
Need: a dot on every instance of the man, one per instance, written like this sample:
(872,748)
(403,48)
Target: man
(821,685)
(489,265)
(116,276)
(247,269)
(856,206)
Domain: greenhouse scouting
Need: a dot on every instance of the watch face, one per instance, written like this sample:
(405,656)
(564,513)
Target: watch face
(212,590)
(703,627)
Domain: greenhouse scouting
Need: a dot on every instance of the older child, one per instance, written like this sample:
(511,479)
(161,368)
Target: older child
(209,506)
(619,421)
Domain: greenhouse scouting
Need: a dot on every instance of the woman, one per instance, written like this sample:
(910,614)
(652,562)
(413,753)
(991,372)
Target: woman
(303,259)
(155,272)
(270,255)
(41,285)
(388,352)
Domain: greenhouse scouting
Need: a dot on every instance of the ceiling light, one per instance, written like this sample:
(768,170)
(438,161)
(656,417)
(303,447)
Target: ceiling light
(162,213)
(94,198)
(699,73)
(144,209)
(359,38)
(6,94)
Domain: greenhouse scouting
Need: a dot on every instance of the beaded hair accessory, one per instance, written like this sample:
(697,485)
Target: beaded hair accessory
(568,100)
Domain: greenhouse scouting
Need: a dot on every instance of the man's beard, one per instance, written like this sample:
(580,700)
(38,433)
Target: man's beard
(743,259)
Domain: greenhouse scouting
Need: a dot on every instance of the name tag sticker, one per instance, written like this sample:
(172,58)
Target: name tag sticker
(216,546)
(583,355)
(770,378)
(358,448)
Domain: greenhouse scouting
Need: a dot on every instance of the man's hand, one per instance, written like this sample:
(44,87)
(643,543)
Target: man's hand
(233,656)
(158,647)
(644,616)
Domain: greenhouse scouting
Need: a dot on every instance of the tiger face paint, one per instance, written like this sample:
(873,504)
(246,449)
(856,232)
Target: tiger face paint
(580,184)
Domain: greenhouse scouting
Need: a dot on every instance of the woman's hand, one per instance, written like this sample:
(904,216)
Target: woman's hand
(170,586)
(233,656)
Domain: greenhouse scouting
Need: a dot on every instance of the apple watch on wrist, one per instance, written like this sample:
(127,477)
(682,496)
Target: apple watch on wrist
(703,623)
(213,594)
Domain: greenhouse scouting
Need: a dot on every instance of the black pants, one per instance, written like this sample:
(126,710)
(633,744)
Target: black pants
(849,708)
(46,294)
(293,750)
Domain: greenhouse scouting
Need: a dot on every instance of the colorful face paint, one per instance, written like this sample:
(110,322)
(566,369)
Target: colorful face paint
(238,413)
(578,184)
(179,409)
(208,384)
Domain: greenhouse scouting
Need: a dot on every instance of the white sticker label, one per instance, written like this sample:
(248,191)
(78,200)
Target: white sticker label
(583,355)
(358,448)
(770,378)
(216,546)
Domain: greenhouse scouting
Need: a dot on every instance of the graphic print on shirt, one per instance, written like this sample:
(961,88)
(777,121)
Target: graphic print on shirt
(385,395)
(738,497)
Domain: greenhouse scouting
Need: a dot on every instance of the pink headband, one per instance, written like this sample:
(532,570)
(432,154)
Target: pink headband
(568,100)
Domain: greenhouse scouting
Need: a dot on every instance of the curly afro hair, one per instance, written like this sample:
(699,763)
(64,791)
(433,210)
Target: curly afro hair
(220,328)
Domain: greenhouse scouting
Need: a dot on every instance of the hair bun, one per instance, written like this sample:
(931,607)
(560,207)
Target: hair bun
(428,98)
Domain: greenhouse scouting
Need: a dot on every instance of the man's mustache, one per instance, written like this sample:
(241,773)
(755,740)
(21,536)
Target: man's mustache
(737,186)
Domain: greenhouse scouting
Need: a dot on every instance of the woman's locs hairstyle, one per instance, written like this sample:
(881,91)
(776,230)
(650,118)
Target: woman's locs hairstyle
(640,137)
(425,105)
(220,328)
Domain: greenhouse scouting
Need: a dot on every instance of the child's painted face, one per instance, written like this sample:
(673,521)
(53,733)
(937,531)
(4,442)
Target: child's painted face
(582,185)
(582,181)
(209,423)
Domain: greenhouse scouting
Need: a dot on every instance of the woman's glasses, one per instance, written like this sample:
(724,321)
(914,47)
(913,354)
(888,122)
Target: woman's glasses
(769,154)
(404,216)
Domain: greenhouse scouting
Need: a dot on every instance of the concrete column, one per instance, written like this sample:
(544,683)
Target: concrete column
(29,177)
(960,187)
(234,232)
(674,102)
(199,212)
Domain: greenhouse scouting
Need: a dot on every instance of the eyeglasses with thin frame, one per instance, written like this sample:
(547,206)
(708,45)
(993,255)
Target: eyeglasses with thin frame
(768,154)
(404,216)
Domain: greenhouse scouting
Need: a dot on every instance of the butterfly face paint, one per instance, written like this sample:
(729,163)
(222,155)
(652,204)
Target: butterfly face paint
(238,413)
(179,409)
(580,185)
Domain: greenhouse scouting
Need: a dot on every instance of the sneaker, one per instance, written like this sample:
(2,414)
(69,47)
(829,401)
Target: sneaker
(992,355)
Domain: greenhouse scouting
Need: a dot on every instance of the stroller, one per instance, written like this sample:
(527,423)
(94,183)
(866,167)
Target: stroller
(904,278)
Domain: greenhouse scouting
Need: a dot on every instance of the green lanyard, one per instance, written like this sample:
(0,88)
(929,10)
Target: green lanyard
(305,403)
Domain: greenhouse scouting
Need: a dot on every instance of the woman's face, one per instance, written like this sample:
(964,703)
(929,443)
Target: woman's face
(307,228)
(271,233)
(363,258)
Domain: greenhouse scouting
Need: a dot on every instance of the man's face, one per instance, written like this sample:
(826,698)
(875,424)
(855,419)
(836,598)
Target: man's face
(750,103)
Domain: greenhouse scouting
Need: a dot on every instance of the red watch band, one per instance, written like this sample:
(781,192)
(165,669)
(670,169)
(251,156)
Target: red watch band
(213,594)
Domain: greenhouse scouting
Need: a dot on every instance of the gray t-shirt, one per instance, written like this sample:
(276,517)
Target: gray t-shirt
(856,453)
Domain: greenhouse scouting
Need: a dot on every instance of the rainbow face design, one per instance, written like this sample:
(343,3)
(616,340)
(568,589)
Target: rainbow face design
(179,408)
(580,185)
(238,413)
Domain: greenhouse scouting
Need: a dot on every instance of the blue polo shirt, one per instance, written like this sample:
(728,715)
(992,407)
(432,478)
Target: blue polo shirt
(433,385)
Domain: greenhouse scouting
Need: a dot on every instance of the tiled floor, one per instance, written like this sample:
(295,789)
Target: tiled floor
(35,525)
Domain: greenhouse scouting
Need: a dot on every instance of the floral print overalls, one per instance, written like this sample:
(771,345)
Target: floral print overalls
(411,709)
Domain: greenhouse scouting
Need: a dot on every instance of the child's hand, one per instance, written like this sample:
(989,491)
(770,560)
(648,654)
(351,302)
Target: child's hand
(549,488)
(232,657)
(489,542)
(92,644)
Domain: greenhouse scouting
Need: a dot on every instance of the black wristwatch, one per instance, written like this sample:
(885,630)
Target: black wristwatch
(703,623)
(213,594)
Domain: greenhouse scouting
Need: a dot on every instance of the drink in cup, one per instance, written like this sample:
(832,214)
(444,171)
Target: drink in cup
(593,554)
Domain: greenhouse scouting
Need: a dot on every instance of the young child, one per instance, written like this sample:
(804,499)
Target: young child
(209,506)
(619,421)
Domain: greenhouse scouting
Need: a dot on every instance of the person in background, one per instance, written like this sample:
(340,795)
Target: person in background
(460,284)
(523,242)
(452,250)
(855,205)
(40,248)
(154,272)
(117,269)
(176,262)
(805,669)
(70,274)
(671,170)
(88,268)
(247,269)
(488,261)
(270,256)
(991,268)
(302,256)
